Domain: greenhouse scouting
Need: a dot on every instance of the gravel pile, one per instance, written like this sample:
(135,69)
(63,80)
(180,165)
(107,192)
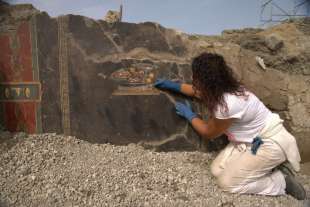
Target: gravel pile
(54,170)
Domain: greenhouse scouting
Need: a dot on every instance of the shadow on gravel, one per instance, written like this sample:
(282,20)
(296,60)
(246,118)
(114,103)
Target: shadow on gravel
(306,203)
(9,140)
(3,204)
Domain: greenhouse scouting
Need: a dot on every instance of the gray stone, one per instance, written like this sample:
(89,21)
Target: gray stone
(306,71)
(273,42)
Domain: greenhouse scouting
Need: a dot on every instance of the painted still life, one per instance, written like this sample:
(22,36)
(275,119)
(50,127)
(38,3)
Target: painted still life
(137,79)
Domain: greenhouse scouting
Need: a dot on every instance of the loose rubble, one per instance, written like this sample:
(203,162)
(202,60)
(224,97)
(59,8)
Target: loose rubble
(55,170)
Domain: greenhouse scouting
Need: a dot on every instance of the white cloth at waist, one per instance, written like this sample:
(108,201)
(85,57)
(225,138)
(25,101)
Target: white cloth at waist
(275,131)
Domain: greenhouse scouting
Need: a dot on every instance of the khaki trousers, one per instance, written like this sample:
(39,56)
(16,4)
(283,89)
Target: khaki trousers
(237,170)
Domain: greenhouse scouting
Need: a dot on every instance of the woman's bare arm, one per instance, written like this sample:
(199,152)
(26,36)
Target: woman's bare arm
(187,89)
(212,128)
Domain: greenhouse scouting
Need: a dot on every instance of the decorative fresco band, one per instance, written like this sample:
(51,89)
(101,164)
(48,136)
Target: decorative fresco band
(35,68)
(63,72)
(20,92)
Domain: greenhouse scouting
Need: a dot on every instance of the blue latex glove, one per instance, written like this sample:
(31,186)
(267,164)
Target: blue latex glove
(185,111)
(167,84)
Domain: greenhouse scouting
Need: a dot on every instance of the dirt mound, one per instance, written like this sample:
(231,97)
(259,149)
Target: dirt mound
(284,47)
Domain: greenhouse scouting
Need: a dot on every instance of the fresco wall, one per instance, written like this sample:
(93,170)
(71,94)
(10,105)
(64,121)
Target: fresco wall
(88,87)
(93,79)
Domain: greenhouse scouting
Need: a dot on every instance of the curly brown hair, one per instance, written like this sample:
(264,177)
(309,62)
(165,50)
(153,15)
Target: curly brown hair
(212,77)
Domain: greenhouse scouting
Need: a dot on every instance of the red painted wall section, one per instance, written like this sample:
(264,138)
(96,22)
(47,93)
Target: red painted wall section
(20,117)
(16,66)
(24,53)
(6,72)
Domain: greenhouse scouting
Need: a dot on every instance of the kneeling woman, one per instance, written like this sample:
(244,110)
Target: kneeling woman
(258,140)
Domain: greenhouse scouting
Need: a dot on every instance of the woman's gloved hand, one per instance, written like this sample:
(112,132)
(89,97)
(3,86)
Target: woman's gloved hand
(185,111)
(167,84)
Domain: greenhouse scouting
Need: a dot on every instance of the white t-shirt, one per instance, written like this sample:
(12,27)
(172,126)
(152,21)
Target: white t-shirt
(250,116)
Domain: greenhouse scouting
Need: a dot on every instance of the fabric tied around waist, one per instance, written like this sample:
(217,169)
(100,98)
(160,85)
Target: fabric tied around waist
(275,131)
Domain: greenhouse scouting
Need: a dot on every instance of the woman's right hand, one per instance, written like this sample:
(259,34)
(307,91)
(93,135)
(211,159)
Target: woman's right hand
(168,85)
